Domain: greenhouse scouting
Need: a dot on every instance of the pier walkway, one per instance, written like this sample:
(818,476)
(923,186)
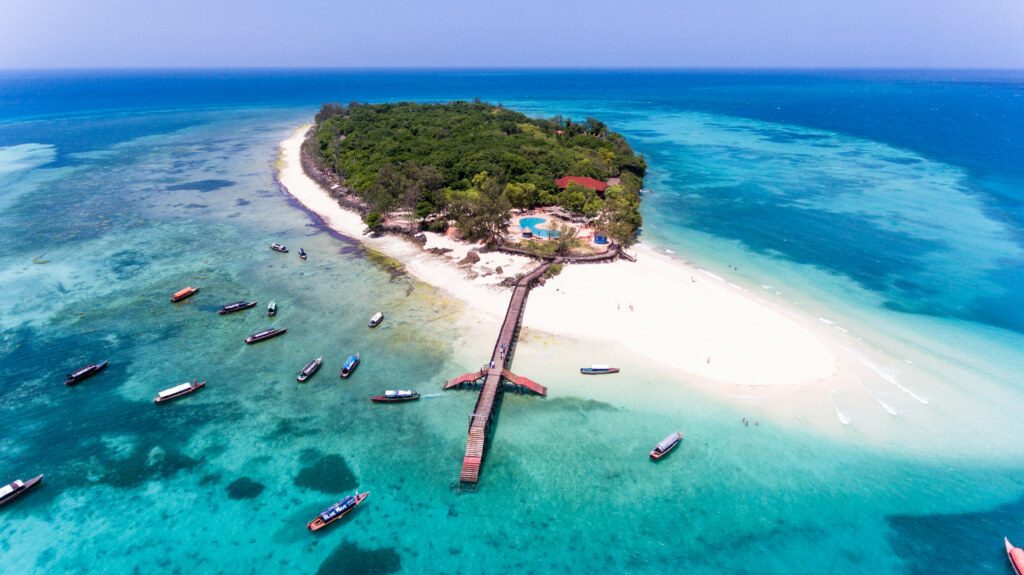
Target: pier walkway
(493,375)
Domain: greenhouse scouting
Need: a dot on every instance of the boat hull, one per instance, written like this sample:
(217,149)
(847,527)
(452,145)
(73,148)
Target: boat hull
(318,523)
(253,339)
(76,380)
(309,371)
(158,400)
(28,485)
(657,454)
(592,371)
(226,310)
(347,370)
(184,296)
(1015,556)
(384,399)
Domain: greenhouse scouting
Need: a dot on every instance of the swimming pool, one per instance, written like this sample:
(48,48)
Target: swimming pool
(533,224)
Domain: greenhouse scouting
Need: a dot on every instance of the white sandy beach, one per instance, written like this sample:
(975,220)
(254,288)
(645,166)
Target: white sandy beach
(659,308)
(692,326)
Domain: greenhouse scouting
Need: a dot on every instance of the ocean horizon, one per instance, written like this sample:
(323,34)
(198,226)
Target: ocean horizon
(886,205)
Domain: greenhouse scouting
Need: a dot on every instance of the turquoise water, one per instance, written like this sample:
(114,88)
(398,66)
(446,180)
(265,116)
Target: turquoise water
(533,224)
(119,190)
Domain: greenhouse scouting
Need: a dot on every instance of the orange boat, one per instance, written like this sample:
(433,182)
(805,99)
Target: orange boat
(337,511)
(1015,555)
(184,294)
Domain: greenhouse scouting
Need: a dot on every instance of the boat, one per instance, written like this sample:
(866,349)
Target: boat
(302,254)
(236,306)
(179,391)
(376,319)
(265,334)
(350,365)
(17,488)
(598,369)
(310,369)
(184,293)
(666,445)
(396,395)
(337,511)
(279,248)
(84,373)
(272,309)
(1014,554)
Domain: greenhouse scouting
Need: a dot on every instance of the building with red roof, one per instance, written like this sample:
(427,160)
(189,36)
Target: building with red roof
(596,185)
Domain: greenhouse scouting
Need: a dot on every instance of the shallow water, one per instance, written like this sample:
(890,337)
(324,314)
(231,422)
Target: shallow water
(106,213)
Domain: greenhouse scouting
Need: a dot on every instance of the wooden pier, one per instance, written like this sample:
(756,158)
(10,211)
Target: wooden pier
(493,375)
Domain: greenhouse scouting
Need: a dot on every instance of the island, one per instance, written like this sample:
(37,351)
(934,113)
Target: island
(480,172)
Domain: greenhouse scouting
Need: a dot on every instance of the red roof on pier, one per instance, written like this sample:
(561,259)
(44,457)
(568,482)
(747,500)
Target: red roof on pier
(596,185)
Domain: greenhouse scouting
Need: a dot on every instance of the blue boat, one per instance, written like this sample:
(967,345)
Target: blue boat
(337,511)
(350,365)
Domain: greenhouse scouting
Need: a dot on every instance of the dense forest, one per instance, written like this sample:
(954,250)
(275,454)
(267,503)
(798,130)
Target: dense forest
(473,162)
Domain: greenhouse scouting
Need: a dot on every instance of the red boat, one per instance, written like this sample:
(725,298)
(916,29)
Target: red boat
(184,294)
(337,511)
(17,488)
(666,445)
(179,391)
(1015,555)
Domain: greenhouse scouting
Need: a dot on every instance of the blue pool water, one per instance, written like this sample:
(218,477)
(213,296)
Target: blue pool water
(890,199)
(533,224)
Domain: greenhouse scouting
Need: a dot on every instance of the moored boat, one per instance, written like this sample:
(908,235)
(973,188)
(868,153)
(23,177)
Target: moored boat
(396,395)
(376,319)
(272,309)
(666,445)
(17,488)
(310,369)
(179,391)
(337,511)
(279,247)
(302,254)
(184,293)
(83,373)
(265,334)
(236,306)
(598,369)
(350,365)
(1015,555)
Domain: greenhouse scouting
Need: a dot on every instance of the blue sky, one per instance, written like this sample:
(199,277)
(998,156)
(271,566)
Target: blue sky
(501,33)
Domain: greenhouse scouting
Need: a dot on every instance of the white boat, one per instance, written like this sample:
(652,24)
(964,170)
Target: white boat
(376,319)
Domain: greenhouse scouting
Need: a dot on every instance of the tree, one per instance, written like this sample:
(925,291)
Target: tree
(521,195)
(566,241)
(373,220)
(482,212)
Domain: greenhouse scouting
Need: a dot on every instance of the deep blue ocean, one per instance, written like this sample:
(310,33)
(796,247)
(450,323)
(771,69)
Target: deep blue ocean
(890,202)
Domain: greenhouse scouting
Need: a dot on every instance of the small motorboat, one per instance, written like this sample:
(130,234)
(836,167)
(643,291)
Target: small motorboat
(598,369)
(376,319)
(17,488)
(310,369)
(350,365)
(84,373)
(279,248)
(302,254)
(236,306)
(396,395)
(179,391)
(1014,554)
(666,445)
(184,293)
(272,309)
(263,335)
(337,511)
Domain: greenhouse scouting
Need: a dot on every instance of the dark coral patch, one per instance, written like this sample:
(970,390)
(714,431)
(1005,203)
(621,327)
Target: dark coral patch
(202,186)
(327,474)
(245,488)
(348,559)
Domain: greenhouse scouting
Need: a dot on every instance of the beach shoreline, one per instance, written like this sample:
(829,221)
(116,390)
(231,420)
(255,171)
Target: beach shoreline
(659,308)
